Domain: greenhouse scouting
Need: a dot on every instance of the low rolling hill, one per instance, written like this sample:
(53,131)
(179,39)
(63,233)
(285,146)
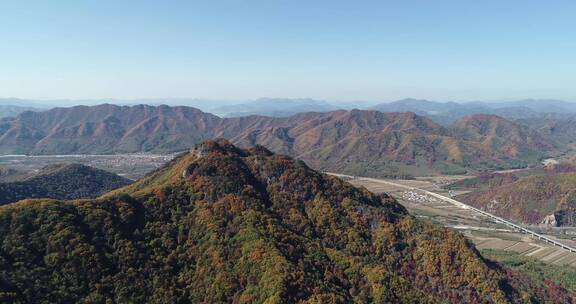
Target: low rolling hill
(66,181)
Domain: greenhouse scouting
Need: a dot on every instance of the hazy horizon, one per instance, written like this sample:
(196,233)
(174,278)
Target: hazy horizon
(222,101)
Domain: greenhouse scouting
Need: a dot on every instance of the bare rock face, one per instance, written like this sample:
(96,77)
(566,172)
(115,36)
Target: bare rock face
(549,221)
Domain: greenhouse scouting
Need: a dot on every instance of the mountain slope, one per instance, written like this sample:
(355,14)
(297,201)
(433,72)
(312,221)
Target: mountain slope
(531,199)
(11,110)
(510,140)
(226,225)
(104,129)
(358,142)
(483,180)
(371,142)
(560,127)
(354,142)
(68,181)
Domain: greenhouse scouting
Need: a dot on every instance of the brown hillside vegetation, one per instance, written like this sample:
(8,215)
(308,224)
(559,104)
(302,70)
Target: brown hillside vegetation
(355,142)
(104,129)
(365,142)
(560,127)
(530,199)
(226,225)
(484,180)
(493,133)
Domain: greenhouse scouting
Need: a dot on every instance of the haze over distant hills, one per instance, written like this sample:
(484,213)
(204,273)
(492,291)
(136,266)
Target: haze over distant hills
(356,141)
(449,112)
(442,112)
(560,127)
(275,107)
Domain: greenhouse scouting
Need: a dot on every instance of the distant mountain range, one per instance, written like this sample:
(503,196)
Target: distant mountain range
(444,113)
(388,144)
(448,112)
(274,107)
(65,181)
(105,129)
(226,225)
(357,142)
(11,111)
(560,127)
(279,107)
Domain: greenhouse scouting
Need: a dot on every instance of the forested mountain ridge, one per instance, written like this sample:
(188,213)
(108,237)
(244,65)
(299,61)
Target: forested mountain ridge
(222,224)
(494,133)
(355,142)
(368,142)
(105,129)
(560,127)
(63,181)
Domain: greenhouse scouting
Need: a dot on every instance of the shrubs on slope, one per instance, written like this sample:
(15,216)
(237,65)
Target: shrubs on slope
(225,225)
(68,181)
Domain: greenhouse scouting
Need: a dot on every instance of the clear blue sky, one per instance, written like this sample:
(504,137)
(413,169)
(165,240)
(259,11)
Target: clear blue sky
(343,50)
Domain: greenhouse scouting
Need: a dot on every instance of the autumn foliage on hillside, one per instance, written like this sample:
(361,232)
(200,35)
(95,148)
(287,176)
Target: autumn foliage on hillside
(62,181)
(529,198)
(357,142)
(225,225)
(484,180)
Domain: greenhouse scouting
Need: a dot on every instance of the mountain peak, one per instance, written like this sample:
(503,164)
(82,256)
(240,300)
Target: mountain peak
(219,145)
(243,226)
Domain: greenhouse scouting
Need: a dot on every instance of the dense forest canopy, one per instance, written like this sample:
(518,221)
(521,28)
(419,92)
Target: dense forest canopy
(226,225)
(62,181)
